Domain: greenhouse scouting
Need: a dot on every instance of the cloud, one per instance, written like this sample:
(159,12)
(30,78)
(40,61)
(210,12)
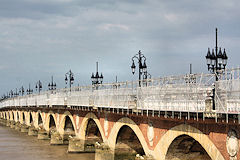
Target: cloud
(40,38)
(108,27)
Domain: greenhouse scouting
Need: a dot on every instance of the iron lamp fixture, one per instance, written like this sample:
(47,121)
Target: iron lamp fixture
(69,76)
(97,79)
(217,60)
(141,60)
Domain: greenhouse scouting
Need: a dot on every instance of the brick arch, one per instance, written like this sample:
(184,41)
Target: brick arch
(161,148)
(130,123)
(25,113)
(21,113)
(36,118)
(21,116)
(33,120)
(46,126)
(8,115)
(18,116)
(83,127)
(5,115)
(12,117)
(62,122)
(15,116)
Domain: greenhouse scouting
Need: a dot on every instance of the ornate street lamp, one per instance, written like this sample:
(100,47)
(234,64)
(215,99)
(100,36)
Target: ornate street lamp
(216,61)
(38,86)
(141,59)
(71,78)
(21,91)
(16,93)
(11,94)
(96,79)
(29,90)
(52,86)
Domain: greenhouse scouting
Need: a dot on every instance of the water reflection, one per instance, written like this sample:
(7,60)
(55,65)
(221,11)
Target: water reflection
(16,145)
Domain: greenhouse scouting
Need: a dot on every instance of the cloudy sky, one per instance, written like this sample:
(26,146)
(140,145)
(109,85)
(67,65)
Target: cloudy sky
(41,38)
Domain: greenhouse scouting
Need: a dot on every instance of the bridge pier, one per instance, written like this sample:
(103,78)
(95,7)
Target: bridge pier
(18,126)
(8,123)
(56,138)
(43,134)
(24,128)
(12,124)
(59,139)
(3,121)
(103,151)
(75,145)
(32,131)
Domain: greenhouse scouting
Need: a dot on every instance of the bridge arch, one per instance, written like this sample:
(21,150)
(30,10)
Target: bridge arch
(39,119)
(62,122)
(166,140)
(5,115)
(134,127)
(8,115)
(84,124)
(23,118)
(13,116)
(31,120)
(50,120)
(18,116)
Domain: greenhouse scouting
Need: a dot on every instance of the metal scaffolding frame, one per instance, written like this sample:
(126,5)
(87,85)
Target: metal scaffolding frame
(183,93)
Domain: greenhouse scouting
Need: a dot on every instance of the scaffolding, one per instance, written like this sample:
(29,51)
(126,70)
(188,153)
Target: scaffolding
(183,93)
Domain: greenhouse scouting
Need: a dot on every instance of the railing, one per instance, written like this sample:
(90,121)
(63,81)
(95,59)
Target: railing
(228,92)
(187,93)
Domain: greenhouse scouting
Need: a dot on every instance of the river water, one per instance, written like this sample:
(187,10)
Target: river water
(15,145)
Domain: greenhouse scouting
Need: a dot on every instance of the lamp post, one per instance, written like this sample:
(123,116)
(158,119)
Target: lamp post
(29,90)
(96,79)
(116,85)
(52,86)
(38,86)
(21,90)
(141,60)
(11,94)
(190,78)
(216,61)
(16,93)
(71,78)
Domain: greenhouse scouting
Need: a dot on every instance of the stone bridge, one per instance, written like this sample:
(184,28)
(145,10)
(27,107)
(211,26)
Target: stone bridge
(111,134)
